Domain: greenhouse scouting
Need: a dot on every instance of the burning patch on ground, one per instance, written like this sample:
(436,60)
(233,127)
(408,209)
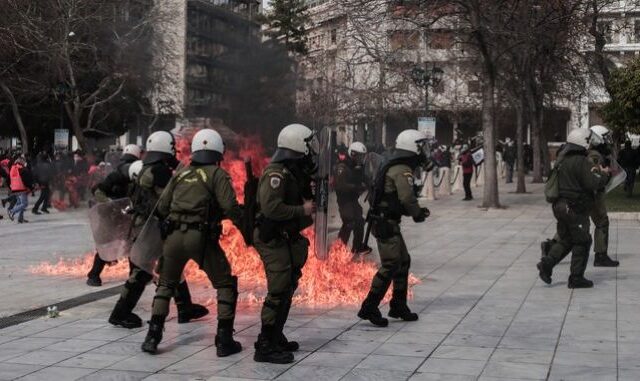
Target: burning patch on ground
(336,281)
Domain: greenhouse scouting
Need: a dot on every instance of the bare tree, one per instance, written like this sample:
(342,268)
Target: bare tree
(92,55)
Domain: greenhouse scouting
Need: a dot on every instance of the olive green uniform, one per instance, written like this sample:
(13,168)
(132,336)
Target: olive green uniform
(578,181)
(598,212)
(349,186)
(399,199)
(195,202)
(282,248)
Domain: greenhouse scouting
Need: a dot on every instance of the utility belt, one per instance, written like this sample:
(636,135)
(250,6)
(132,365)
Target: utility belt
(579,205)
(269,229)
(168,227)
(384,223)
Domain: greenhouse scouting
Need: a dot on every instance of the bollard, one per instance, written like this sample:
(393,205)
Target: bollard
(480,178)
(445,184)
(428,190)
(457,178)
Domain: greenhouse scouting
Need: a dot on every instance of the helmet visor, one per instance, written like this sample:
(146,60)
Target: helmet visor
(313,144)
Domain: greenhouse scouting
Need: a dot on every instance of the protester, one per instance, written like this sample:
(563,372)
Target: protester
(509,156)
(21,186)
(466,160)
(44,173)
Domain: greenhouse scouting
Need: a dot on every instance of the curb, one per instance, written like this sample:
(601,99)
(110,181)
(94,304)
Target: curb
(624,216)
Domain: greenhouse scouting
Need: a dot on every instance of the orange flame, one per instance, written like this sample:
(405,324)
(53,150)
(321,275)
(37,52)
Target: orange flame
(336,281)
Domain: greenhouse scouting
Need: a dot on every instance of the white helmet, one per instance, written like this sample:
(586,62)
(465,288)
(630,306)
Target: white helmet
(133,150)
(207,147)
(134,169)
(161,141)
(582,137)
(357,147)
(411,141)
(298,138)
(603,132)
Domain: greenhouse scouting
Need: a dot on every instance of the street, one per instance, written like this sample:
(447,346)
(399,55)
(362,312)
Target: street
(484,314)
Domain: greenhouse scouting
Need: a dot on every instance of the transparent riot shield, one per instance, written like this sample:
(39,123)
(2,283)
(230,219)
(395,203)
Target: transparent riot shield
(618,176)
(111,227)
(322,194)
(372,163)
(147,246)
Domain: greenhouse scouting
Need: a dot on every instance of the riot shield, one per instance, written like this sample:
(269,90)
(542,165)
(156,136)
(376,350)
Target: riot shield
(372,163)
(618,176)
(322,194)
(110,226)
(147,246)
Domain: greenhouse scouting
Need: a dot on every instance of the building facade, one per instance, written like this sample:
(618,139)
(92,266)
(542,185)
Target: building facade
(345,59)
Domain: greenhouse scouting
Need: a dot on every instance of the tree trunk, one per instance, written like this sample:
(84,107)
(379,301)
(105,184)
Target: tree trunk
(15,109)
(520,115)
(74,113)
(535,134)
(491,198)
(378,135)
(544,146)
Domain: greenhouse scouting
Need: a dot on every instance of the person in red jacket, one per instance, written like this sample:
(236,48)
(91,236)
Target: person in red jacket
(466,161)
(21,185)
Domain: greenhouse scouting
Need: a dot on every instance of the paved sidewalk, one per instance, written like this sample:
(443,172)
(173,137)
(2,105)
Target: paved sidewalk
(483,315)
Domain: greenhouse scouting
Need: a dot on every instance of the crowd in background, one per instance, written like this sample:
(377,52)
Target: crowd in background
(64,179)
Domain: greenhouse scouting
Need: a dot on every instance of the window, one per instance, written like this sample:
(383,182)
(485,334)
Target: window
(606,28)
(334,35)
(439,88)
(636,30)
(441,40)
(473,87)
(404,39)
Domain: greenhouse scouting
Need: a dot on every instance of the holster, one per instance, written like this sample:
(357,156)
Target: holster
(382,227)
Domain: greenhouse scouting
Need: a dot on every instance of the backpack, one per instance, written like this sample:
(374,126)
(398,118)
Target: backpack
(552,186)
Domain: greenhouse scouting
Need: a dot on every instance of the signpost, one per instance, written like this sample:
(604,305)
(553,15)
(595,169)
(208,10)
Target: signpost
(61,139)
(428,126)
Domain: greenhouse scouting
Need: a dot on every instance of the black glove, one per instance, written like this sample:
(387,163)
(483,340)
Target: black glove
(424,213)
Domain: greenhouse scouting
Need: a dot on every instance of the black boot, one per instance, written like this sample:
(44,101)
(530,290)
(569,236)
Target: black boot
(225,345)
(544,272)
(93,277)
(579,281)
(281,340)
(399,308)
(123,317)
(369,310)
(154,336)
(122,314)
(267,349)
(187,310)
(545,247)
(603,260)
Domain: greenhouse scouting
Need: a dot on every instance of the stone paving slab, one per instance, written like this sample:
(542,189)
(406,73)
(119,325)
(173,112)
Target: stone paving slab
(484,315)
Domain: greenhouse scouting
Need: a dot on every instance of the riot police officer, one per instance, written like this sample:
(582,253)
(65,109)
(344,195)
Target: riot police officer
(349,185)
(600,155)
(393,197)
(284,210)
(577,179)
(197,199)
(115,186)
(158,166)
